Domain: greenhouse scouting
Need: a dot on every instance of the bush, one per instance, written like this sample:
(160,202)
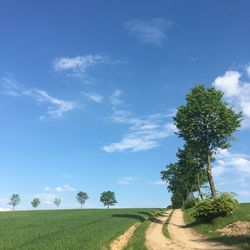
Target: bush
(206,210)
(190,202)
(170,207)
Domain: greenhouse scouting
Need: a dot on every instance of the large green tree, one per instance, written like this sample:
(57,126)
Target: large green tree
(108,198)
(207,123)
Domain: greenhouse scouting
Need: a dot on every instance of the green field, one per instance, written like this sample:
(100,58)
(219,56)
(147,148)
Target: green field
(67,229)
(209,229)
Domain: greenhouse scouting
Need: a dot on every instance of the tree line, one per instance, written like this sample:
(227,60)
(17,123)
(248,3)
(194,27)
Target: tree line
(107,198)
(206,124)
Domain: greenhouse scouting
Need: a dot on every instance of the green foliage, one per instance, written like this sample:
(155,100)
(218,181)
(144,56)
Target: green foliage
(169,207)
(177,200)
(82,197)
(190,202)
(210,229)
(88,229)
(35,202)
(206,120)
(206,123)
(206,210)
(14,200)
(108,198)
(57,201)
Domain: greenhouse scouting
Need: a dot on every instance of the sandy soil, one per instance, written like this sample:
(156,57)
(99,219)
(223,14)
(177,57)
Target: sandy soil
(182,237)
(122,240)
(155,240)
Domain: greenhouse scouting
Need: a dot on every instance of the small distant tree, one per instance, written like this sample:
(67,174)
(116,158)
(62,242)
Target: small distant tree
(82,197)
(14,200)
(108,198)
(35,203)
(57,202)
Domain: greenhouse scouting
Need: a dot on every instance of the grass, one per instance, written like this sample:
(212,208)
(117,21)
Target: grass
(209,229)
(165,226)
(137,242)
(67,229)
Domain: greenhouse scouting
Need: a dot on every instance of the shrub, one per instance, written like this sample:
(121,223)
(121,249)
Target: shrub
(170,207)
(190,202)
(208,209)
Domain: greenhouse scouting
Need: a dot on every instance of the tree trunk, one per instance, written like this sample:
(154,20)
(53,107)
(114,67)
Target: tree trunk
(108,206)
(199,188)
(210,177)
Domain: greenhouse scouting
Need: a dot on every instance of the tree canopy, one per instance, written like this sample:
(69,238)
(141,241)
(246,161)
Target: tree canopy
(206,123)
(82,197)
(14,200)
(35,202)
(108,198)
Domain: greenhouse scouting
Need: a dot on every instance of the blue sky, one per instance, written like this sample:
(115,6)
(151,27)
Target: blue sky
(88,90)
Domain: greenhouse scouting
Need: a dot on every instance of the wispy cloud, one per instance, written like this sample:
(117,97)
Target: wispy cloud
(237,165)
(152,31)
(46,198)
(237,92)
(143,133)
(65,188)
(94,96)
(125,180)
(57,107)
(157,183)
(80,65)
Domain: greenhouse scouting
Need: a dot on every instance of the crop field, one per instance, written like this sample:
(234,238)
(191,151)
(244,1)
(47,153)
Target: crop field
(210,229)
(67,229)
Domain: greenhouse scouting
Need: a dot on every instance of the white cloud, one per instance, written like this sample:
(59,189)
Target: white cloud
(227,161)
(143,133)
(10,87)
(115,98)
(3,209)
(47,188)
(237,93)
(158,183)
(46,198)
(94,97)
(65,188)
(125,180)
(79,65)
(153,31)
(248,70)
(59,106)
(228,83)
(56,107)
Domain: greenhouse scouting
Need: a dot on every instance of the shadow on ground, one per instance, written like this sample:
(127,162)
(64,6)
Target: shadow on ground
(242,240)
(130,216)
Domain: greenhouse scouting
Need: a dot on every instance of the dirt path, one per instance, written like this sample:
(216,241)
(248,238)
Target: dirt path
(182,237)
(122,241)
(155,240)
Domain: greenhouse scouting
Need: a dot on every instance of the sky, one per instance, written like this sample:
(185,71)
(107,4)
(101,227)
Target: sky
(88,91)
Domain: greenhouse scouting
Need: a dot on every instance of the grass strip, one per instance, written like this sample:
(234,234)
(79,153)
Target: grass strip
(165,225)
(137,242)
